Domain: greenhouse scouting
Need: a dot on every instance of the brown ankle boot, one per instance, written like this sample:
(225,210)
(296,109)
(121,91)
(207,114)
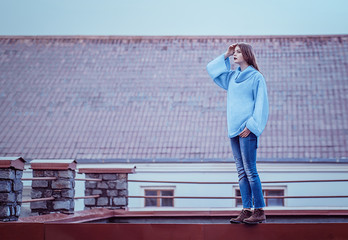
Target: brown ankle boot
(257,217)
(243,215)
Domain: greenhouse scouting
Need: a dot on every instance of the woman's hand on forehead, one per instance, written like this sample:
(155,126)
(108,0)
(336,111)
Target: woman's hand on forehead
(230,50)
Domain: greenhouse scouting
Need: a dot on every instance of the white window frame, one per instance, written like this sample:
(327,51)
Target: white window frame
(162,188)
(265,187)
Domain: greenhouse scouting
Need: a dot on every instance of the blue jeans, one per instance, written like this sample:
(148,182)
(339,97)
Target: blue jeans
(244,153)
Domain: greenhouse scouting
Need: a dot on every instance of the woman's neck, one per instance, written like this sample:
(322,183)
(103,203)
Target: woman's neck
(243,66)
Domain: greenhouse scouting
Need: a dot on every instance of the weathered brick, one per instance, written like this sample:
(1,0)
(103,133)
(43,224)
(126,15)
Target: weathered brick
(97,191)
(90,201)
(122,176)
(6,173)
(36,193)
(19,174)
(70,193)
(38,205)
(38,173)
(49,173)
(18,185)
(7,197)
(121,184)
(120,201)
(39,184)
(10,218)
(102,201)
(61,184)
(112,193)
(57,193)
(123,193)
(102,185)
(17,210)
(88,191)
(66,174)
(92,175)
(90,184)
(44,173)
(112,184)
(5,185)
(72,204)
(12,209)
(19,196)
(109,176)
(5,211)
(61,205)
(47,193)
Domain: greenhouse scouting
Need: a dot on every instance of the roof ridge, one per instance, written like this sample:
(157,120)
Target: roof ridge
(145,37)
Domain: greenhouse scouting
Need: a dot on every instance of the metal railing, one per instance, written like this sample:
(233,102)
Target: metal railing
(55,178)
(239,197)
(192,182)
(272,182)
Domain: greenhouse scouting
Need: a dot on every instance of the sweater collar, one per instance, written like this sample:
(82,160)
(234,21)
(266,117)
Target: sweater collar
(244,75)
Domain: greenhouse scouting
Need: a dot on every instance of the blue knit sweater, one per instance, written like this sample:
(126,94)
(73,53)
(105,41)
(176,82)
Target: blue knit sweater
(247,101)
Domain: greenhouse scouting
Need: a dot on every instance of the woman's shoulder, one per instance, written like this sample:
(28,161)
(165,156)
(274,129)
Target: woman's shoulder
(258,79)
(258,76)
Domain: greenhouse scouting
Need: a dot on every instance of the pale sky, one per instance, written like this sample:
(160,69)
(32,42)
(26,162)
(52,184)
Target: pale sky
(175,17)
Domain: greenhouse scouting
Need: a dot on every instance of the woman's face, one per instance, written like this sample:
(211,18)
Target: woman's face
(238,56)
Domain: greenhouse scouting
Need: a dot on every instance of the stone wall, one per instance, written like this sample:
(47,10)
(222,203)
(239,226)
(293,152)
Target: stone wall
(112,190)
(11,188)
(56,187)
(61,189)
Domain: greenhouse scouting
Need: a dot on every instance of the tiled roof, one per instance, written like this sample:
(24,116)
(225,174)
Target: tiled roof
(150,97)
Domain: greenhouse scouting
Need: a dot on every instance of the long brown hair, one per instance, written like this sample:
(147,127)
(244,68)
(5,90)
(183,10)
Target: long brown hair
(248,54)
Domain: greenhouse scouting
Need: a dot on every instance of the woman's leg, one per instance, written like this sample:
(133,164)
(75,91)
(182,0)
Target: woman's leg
(244,185)
(248,148)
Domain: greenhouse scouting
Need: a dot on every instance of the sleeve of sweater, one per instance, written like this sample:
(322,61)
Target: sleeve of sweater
(257,122)
(219,70)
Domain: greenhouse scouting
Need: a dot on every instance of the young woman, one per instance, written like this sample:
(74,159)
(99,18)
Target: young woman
(247,114)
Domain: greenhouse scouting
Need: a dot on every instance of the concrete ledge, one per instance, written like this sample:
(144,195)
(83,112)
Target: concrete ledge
(87,231)
(101,214)
(12,162)
(53,164)
(107,170)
